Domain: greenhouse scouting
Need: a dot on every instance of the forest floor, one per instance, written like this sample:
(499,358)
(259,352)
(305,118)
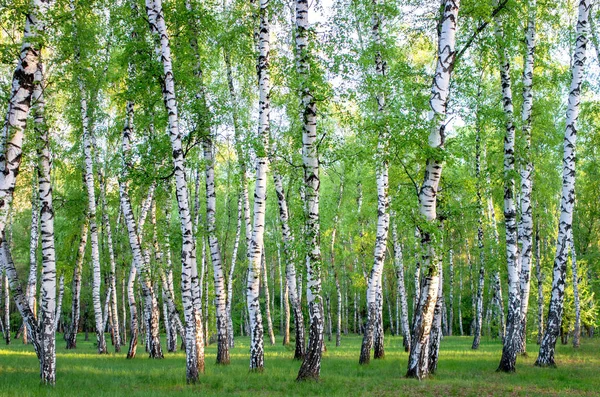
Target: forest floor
(461,372)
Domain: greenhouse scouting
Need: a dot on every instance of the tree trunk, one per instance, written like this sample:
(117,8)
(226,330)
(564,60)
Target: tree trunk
(451,294)
(193,317)
(31,290)
(526,171)
(48,288)
(436,328)
(540,284)
(555,311)
(256,246)
(61,291)
(265,282)
(230,278)
(513,322)
(417,362)
(311,365)
(140,260)
(374,288)
(577,330)
(76,288)
(112,281)
(290,254)
(478,320)
(19,104)
(401,290)
(215,254)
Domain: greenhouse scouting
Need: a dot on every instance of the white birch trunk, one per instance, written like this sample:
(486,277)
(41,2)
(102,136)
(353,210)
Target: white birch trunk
(311,366)
(256,246)
(526,172)
(555,311)
(417,362)
(193,317)
(540,285)
(401,290)
(48,278)
(265,282)
(576,301)
(215,254)
(31,290)
(19,104)
(76,288)
(291,258)
(513,320)
(374,288)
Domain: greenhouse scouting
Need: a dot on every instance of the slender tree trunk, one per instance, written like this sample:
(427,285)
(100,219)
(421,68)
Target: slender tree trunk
(215,254)
(76,288)
(555,311)
(577,330)
(526,171)
(399,264)
(124,330)
(419,353)
(374,288)
(338,334)
(540,285)
(61,291)
(140,260)
(265,282)
(311,365)
(256,246)
(4,280)
(31,290)
(230,278)
(451,294)
(290,254)
(91,205)
(513,322)
(112,281)
(193,317)
(478,321)
(460,318)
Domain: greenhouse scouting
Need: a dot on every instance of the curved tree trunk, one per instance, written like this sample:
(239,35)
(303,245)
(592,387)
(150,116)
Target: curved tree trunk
(567,202)
(76,288)
(526,171)
(215,254)
(193,317)
(291,256)
(513,321)
(419,353)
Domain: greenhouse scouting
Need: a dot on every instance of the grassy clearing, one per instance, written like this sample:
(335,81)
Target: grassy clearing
(461,372)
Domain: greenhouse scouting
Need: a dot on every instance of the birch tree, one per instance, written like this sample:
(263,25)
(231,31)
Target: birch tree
(555,311)
(193,317)
(513,321)
(526,173)
(374,288)
(311,366)
(417,362)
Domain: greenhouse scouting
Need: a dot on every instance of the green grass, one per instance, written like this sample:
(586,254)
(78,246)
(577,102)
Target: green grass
(461,372)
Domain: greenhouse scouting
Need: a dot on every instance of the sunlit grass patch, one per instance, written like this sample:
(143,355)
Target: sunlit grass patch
(462,372)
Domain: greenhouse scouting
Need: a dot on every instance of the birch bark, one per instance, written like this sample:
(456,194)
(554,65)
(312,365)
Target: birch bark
(555,311)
